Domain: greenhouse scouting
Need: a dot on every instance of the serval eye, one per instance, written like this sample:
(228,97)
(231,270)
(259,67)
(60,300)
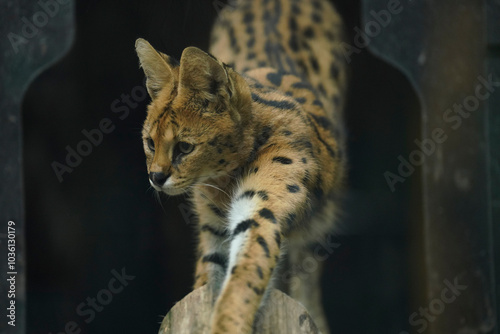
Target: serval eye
(185,148)
(151,144)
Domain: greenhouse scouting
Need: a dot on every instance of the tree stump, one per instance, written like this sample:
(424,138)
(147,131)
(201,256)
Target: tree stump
(281,314)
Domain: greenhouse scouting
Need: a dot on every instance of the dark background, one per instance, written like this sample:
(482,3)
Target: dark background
(103,216)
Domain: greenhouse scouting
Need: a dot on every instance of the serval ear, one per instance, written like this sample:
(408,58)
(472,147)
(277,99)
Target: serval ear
(160,69)
(203,74)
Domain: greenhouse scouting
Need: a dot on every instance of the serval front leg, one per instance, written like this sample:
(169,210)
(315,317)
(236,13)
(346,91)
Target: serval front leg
(259,213)
(211,264)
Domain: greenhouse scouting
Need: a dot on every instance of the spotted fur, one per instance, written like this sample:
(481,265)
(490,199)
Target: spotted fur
(253,131)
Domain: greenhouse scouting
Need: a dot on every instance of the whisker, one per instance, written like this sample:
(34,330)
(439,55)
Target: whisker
(211,185)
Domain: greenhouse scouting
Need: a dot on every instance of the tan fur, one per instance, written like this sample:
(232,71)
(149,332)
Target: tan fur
(268,161)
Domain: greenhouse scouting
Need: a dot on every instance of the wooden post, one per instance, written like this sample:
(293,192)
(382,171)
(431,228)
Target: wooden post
(281,314)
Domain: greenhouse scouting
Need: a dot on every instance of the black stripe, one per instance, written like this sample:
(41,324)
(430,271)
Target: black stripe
(248,18)
(216,210)
(214,231)
(318,103)
(216,258)
(293,188)
(259,272)
(284,105)
(277,237)
(247,194)
(323,121)
(244,225)
(330,151)
(264,245)
(283,160)
(263,194)
(301,144)
(268,214)
(258,291)
(302,84)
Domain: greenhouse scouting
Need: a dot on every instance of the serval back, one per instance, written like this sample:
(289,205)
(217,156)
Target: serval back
(253,132)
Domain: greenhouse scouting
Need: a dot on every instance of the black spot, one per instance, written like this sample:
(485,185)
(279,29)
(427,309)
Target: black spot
(251,43)
(318,103)
(251,55)
(250,30)
(294,43)
(267,214)
(301,100)
(334,71)
(309,32)
(214,141)
(216,258)
(302,66)
(277,238)
(305,45)
(248,194)
(293,188)
(266,16)
(244,225)
(258,291)
(261,64)
(260,140)
(275,78)
(321,88)
(295,9)
(255,170)
(263,194)
(302,85)
(219,150)
(247,301)
(302,318)
(318,191)
(289,93)
(233,269)
(314,63)
(285,105)
(221,161)
(290,219)
(316,17)
(248,18)
(264,135)
(287,133)
(264,245)
(283,160)
(259,272)
(293,24)
(213,230)
(304,160)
